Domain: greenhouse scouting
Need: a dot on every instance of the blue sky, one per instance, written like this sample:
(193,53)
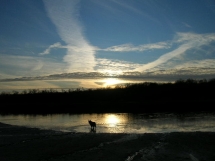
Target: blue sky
(157,39)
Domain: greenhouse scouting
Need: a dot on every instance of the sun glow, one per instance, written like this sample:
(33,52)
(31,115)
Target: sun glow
(111,82)
(112,120)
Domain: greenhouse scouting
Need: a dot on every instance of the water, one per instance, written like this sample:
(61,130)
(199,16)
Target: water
(117,122)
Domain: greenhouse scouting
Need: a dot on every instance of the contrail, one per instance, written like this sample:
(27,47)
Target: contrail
(186,41)
(64,14)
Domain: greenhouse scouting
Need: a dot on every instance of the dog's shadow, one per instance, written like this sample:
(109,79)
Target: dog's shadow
(92,130)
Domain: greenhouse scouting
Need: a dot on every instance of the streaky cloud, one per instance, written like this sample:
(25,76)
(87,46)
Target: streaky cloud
(185,42)
(115,66)
(115,5)
(47,51)
(74,48)
(140,48)
(65,16)
(28,66)
(186,25)
(164,58)
(165,75)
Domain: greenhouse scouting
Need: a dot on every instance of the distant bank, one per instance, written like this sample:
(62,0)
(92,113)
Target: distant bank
(182,96)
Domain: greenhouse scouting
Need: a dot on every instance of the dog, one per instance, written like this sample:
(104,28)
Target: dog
(92,124)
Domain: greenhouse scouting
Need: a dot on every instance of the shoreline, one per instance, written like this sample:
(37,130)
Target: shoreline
(22,143)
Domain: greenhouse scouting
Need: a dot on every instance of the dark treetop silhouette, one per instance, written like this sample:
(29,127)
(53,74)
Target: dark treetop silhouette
(181,96)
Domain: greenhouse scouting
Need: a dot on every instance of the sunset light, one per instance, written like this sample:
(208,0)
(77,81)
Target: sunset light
(58,40)
(107,80)
(110,82)
(112,120)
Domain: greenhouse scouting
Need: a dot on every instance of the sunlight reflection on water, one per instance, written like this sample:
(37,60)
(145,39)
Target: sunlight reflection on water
(116,122)
(113,120)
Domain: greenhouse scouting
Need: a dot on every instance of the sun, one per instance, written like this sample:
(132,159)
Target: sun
(111,81)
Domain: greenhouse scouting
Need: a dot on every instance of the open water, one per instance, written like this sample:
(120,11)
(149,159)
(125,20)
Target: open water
(117,122)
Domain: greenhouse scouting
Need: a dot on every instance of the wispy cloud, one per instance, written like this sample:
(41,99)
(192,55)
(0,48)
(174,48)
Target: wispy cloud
(117,48)
(65,15)
(170,63)
(121,9)
(128,6)
(185,42)
(117,66)
(130,47)
(164,58)
(19,66)
(47,51)
(69,47)
(186,25)
(207,64)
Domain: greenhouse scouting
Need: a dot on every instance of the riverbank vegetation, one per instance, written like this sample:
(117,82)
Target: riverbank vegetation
(180,96)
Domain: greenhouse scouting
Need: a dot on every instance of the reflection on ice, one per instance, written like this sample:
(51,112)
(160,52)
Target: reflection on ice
(112,120)
(116,122)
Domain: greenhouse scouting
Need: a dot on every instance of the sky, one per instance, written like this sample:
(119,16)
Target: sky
(96,43)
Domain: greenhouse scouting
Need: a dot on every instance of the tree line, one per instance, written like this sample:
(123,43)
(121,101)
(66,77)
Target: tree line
(180,96)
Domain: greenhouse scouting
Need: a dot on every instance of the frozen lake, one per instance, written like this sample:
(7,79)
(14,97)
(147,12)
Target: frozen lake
(117,122)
